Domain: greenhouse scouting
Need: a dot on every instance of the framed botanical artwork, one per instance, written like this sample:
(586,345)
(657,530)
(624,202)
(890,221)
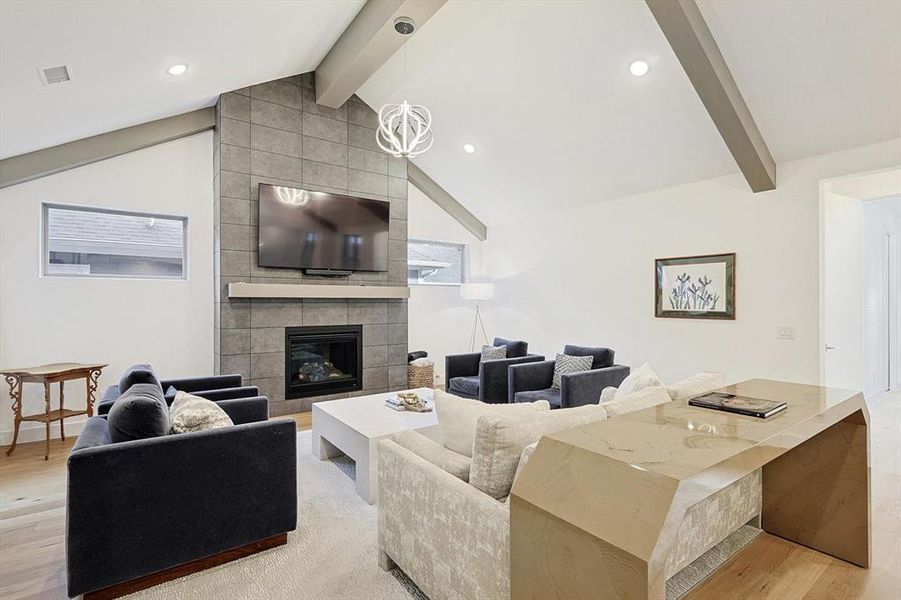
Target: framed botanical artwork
(695,287)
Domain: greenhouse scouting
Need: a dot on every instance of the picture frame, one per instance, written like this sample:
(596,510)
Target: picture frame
(695,287)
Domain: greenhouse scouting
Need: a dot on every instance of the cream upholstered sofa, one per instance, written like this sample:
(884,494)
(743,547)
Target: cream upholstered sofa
(447,526)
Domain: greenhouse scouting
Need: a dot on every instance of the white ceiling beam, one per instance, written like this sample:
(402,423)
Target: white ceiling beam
(367,43)
(40,163)
(451,206)
(690,38)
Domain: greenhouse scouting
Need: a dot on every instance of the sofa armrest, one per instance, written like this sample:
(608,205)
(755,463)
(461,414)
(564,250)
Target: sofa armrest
(139,507)
(493,377)
(584,387)
(460,365)
(195,384)
(444,533)
(433,452)
(529,376)
(246,391)
(246,410)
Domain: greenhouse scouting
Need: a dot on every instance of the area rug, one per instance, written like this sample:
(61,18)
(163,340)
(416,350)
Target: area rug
(332,554)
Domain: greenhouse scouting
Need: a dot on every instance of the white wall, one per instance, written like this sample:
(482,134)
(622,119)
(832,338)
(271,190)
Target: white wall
(439,321)
(168,323)
(586,275)
(881,297)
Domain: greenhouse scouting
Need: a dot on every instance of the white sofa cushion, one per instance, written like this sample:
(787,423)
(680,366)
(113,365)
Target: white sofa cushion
(458,417)
(646,398)
(696,385)
(501,438)
(430,450)
(638,379)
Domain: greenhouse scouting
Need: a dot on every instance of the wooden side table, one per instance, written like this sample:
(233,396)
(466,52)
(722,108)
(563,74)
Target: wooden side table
(49,374)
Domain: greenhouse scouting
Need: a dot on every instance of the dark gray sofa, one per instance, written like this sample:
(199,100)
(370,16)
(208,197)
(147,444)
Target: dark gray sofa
(531,382)
(466,376)
(213,387)
(140,507)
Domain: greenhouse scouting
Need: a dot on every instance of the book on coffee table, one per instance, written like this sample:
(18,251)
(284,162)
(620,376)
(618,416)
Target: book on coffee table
(741,405)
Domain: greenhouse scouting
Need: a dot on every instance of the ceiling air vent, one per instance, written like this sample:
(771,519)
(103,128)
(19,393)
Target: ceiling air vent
(52,75)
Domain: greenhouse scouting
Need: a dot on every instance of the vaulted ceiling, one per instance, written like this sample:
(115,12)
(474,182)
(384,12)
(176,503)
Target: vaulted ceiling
(542,89)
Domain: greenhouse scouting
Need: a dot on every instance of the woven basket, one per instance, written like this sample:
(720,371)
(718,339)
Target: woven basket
(420,377)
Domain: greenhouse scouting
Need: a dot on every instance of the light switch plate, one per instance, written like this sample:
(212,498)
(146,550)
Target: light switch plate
(785,332)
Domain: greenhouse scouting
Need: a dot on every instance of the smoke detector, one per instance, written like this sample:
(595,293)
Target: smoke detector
(404,25)
(51,75)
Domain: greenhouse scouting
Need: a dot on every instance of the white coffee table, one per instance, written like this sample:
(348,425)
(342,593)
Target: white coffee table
(354,426)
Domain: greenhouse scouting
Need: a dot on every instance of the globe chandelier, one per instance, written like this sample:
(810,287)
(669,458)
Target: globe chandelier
(405,130)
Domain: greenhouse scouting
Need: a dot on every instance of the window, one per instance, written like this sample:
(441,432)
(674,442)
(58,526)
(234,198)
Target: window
(92,242)
(434,263)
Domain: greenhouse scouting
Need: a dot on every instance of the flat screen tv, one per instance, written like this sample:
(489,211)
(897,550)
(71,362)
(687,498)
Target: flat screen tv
(313,230)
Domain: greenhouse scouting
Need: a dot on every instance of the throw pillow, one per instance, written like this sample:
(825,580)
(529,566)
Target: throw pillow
(501,438)
(139,413)
(646,398)
(638,379)
(193,413)
(459,417)
(696,385)
(433,452)
(493,353)
(141,373)
(608,394)
(569,364)
(523,459)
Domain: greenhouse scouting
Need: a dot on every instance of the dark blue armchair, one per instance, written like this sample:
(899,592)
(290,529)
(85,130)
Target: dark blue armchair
(466,376)
(533,381)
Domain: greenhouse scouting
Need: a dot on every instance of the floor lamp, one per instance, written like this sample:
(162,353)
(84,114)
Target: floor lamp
(477,292)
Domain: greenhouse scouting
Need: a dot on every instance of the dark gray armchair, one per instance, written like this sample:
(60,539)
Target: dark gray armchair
(531,382)
(466,376)
(144,506)
(212,387)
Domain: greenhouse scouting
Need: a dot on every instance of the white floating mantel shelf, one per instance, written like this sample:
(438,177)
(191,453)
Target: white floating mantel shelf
(301,290)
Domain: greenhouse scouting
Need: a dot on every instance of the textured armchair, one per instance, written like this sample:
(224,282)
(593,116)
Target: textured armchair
(140,507)
(533,381)
(466,376)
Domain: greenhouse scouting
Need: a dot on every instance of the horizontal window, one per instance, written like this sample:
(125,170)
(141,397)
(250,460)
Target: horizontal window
(92,242)
(434,263)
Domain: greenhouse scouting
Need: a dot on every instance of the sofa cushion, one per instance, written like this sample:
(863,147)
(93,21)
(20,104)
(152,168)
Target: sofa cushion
(459,417)
(551,395)
(696,385)
(515,348)
(141,373)
(430,450)
(500,440)
(638,379)
(603,357)
(467,386)
(193,413)
(139,413)
(646,398)
(569,364)
(493,353)
(608,394)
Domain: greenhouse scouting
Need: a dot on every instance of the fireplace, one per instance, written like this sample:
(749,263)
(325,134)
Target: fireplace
(323,360)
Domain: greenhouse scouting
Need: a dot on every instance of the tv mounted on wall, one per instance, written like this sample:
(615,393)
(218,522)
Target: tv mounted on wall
(300,229)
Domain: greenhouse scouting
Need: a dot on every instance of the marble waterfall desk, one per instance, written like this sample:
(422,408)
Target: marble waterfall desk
(596,511)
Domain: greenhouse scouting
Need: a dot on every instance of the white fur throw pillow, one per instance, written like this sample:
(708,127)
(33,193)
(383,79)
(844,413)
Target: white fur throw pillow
(458,417)
(193,413)
(646,398)
(696,385)
(638,379)
(501,439)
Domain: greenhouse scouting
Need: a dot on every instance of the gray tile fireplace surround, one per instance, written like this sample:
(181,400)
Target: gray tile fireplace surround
(276,133)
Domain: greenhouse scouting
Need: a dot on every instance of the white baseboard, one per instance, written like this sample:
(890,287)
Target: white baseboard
(31,431)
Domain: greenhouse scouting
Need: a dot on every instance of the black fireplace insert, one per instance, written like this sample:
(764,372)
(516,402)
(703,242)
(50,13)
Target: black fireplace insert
(323,360)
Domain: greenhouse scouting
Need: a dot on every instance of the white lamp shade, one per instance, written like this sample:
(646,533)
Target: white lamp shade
(477,291)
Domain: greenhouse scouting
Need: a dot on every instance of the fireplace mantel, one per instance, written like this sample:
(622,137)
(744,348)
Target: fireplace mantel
(301,290)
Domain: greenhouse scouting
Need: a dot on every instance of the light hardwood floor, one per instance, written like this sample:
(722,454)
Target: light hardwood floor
(32,522)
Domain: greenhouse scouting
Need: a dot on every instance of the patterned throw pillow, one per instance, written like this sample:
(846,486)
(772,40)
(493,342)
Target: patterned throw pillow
(193,413)
(569,364)
(493,353)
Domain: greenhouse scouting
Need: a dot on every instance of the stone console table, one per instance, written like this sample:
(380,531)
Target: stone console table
(596,511)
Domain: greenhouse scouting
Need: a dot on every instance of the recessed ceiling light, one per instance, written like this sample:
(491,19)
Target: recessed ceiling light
(639,68)
(469,148)
(177,69)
